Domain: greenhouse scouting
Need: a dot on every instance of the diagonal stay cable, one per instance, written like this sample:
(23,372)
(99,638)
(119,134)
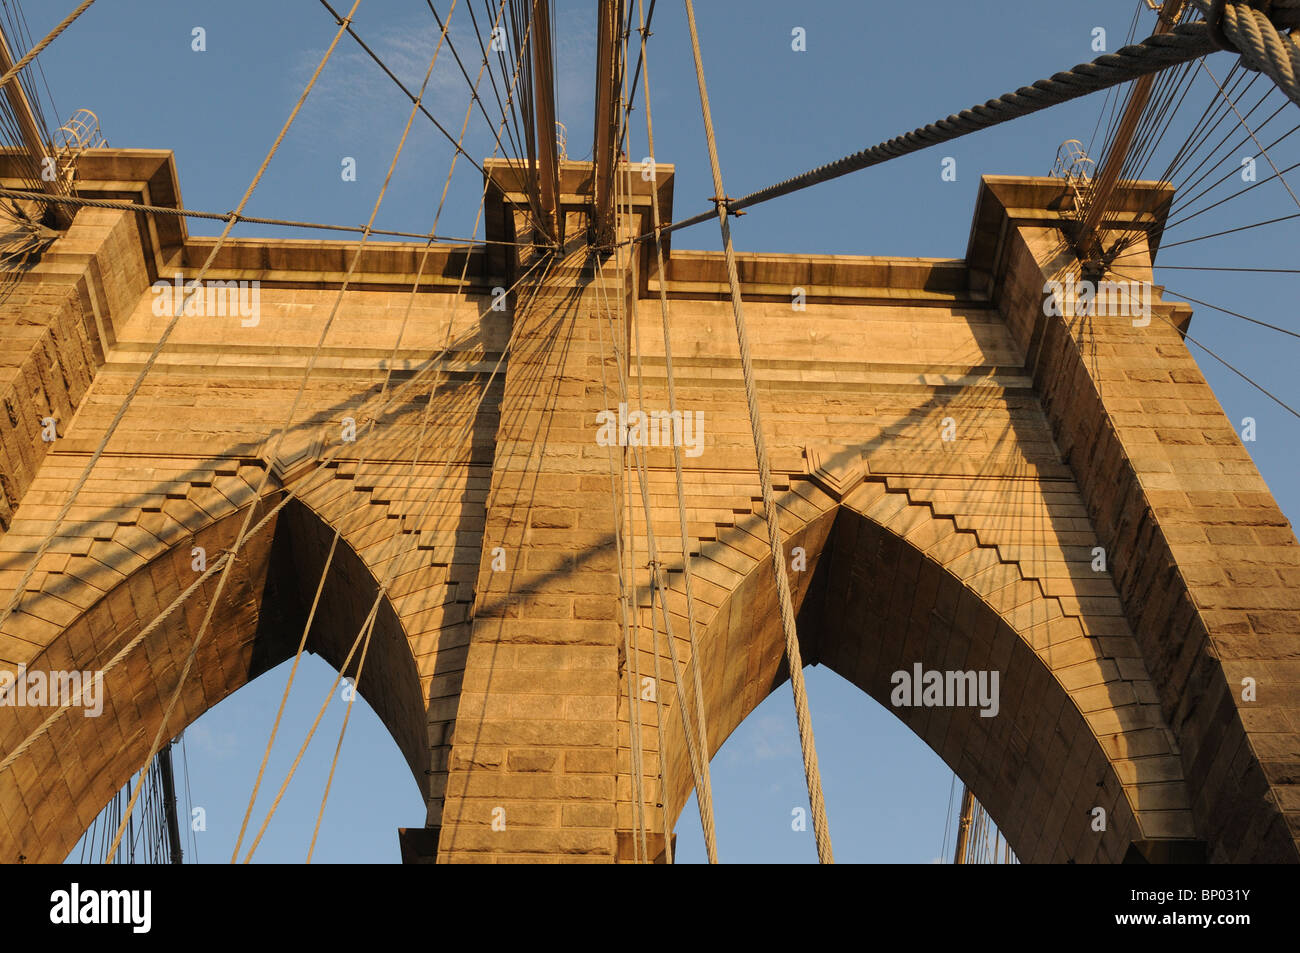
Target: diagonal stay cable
(284,697)
(338,748)
(275,727)
(1244,376)
(1185,202)
(367,625)
(1229,197)
(1187,183)
(274,448)
(1165,246)
(1204,130)
(387,562)
(508,110)
(1271,271)
(192,288)
(474,94)
(520,83)
(216,566)
(1214,110)
(475,99)
(416,102)
(1253,137)
(1235,314)
(383,390)
(298,490)
(391,564)
(338,531)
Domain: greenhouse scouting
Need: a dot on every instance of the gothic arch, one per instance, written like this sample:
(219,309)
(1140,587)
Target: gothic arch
(890,584)
(54,788)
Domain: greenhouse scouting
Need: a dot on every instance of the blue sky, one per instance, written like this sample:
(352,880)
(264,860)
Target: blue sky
(870,71)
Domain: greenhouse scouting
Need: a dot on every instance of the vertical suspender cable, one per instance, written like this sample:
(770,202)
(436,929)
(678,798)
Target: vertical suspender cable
(802,715)
(705,794)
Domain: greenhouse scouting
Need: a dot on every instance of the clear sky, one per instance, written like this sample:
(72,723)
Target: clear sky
(870,71)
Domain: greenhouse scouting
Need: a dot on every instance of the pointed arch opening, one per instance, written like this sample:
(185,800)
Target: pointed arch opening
(68,771)
(875,603)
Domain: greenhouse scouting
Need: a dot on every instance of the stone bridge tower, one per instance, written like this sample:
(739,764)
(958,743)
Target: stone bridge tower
(950,457)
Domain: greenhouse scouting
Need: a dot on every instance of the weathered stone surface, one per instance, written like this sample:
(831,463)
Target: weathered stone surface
(948,460)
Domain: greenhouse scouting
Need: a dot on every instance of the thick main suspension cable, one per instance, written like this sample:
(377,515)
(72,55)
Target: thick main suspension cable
(53,35)
(1185,42)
